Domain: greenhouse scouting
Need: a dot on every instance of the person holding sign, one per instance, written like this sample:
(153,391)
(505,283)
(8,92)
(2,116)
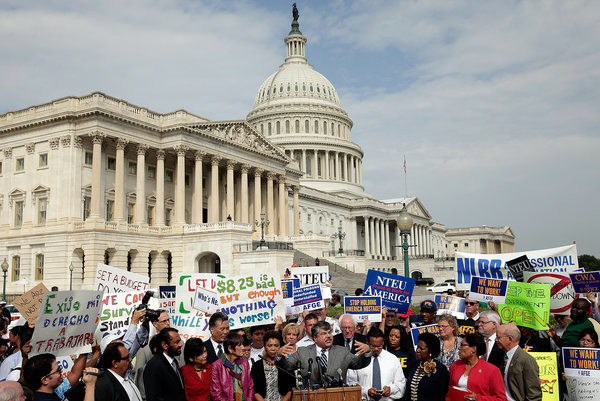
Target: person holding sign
(580,320)
(480,380)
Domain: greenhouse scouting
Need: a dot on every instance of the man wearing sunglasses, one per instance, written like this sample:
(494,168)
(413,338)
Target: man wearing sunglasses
(467,325)
(43,375)
(115,385)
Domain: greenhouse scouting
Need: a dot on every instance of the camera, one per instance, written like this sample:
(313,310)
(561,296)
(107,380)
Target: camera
(151,314)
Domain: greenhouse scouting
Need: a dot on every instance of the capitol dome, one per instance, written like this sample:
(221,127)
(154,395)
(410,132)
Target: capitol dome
(298,109)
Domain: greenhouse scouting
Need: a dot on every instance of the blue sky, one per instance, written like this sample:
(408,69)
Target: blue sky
(495,103)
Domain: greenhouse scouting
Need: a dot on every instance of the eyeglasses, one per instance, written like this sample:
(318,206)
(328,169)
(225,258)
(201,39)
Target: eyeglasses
(125,358)
(482,323)
(465,345)
(376,346)
(586,341)
(164,321)
(347,327)
(443,326)
(59,371)
(471,303)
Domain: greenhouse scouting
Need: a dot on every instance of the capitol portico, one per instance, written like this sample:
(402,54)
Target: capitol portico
(96,179)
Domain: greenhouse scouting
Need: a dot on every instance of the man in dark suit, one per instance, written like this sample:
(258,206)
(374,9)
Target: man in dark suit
(323,359)
(520,370)
(347,337)
(115,385)
(218,325)
(487,324)
(162,377)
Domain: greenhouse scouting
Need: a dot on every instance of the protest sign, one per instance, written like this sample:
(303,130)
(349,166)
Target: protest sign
(488,290)
(526,304)
(432,328)
(562,293)
(581,362)
(586,282)
(117,310)
(29,304)
(395,291)
(307,298)
(112,279)
(548,374)
(363,308)
(206,300)
(251,299)
(66,322)
(311,275)
(450,304)
(287,287)
(518,265)
(561,259)
(583,388)
(167,298)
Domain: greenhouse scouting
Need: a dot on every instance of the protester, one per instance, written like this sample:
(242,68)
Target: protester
(43,375)
(218,325)
(19,336)
(580,312)
(114,385)
(467,325)
(90,377)
(358,292)
(563,321)
(487,325)
(135,337)
(449,339)
(383,379)
(427,312)
(348,336)
(3,347)
(588,338)
(196,371)
(471,373)
(269,383)
(532,342)
(309,321)
(11,391)
(336,301)
(322,315)
(400,345)
(428,381)
(4,312)
(162,377)
(521,371)
(230,376)
(257,334)
(290,335)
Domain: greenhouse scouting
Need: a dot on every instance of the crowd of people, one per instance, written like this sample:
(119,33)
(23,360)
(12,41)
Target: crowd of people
(473,359)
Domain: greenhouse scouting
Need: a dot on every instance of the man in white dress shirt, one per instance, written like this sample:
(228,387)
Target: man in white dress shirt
(309,321)
(383,379)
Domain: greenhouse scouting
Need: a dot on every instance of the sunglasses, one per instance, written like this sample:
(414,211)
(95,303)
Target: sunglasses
(471,303)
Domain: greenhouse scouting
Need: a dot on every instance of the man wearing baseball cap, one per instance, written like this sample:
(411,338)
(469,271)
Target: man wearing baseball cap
(428,311)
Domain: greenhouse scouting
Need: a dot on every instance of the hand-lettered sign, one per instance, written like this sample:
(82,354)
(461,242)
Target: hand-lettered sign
(562,293)
(189,321)
(29,303)
(167,298)
(117,310)
(112,279)
(206,300)
(548,374)
(527,304)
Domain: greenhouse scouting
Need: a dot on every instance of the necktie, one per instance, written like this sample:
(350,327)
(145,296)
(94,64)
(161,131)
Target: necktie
(348,344)
(487,348)
(176,367)
(503,370)
(220,352)
(323,360)
(376,374)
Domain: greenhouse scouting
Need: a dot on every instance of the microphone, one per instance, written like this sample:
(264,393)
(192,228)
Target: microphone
(99,373)
(323,378)
(310,362)
(339,371)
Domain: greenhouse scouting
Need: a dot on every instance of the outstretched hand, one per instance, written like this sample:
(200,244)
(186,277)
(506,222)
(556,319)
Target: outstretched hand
(362,348)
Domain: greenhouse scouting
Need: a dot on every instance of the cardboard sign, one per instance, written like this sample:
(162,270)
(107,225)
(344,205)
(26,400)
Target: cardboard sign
(66,322)
(167,298)
(117,310)
(307,298)
(561,259)
(527,304)
(548,374)
(29,304)
(311,275)
(450,304)
(518,265)
(111,279)
(586,282)
(488,290)
(395,291)
(363,308)
(562,293)
(415,332)
(206,300)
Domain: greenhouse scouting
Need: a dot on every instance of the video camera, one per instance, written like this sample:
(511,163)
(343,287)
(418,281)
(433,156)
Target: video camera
(151,314)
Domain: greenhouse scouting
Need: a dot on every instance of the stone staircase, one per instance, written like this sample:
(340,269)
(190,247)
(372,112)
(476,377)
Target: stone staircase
(340,277)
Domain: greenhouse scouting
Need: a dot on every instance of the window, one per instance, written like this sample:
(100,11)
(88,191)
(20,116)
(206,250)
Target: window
(456,245)
(0,168)
(309,218)
(466,244)
(130,212)
(324,127)
(89,158)
(187,180)
(43,161)
(150,215)
(39,267)
(169,175)
(297,126)
(18,213)
(151,172)
(87,207)
(308,167)
(42,208)
(20,164)
(316,127)
(278,128)
(319,173)
(111,163)
(16,268)
(132,168)
(306,126)
(287,126)
(110,207)
(269,126)
(168,216)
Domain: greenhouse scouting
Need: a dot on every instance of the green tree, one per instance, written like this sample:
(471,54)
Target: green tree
(589,262)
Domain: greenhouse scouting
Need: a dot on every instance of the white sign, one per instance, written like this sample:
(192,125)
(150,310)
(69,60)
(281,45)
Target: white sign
(111,279)
(206,300)
(117,311)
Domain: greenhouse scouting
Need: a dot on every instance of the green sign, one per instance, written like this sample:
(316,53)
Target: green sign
(527,304)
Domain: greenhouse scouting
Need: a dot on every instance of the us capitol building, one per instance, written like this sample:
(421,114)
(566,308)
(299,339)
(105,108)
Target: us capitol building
(96,179)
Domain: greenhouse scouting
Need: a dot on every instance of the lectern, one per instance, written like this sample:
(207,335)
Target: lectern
(328,394)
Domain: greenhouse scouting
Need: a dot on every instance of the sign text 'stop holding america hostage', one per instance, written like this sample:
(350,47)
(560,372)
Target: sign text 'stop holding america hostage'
(561,259)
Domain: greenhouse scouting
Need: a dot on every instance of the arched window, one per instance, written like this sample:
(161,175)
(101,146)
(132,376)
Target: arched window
(324,127)
(278,128)
(332,129)
(269,129)
(287,126)
(297,126)
(306,126)
(316,126)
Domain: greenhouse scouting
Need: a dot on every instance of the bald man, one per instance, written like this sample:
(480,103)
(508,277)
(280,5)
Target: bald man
(11,391)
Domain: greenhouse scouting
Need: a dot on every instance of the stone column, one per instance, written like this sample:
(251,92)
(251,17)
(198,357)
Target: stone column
(160,188)
(338,175)
(257,194)
(304,166)
(346,177)
(386,230)
(214,190)
(244,193)
(198,196)
(381,238)
(367,236)
(180,185)
(398,241)
(413,239)
(360,172)
(283,207)
(378,237)
(315,170)
(296,190)
(140,187)
(119,205)
(372,235)
(230,191)
(327,165)
(97,138)
(270,200)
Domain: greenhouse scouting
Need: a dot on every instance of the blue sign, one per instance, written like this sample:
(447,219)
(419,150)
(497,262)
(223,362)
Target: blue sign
(308,298)
(488,290)
(395,291)
(166,291)
(581,362)
(452,305)
(432,328)
(586,282)
(363,308)
(288,285)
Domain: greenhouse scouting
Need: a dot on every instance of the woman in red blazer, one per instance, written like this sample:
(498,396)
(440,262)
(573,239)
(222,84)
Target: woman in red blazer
(196,372)
(479,380)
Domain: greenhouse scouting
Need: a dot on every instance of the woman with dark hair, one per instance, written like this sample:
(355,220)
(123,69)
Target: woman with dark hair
(588,338)
(400,345)
(479,380)
(230,377)
(269,384)
(429,379)
(196,372)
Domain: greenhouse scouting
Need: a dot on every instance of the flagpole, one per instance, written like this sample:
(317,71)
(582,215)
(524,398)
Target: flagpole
(405,186)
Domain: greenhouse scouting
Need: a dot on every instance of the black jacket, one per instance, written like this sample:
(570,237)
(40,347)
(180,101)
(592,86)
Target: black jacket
(284,381)
(339,339)
(108,388)
(161,381)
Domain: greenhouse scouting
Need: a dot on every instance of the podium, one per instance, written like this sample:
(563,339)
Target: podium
(352,393)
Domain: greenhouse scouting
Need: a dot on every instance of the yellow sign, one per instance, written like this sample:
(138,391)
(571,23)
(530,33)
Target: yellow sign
(548,374)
